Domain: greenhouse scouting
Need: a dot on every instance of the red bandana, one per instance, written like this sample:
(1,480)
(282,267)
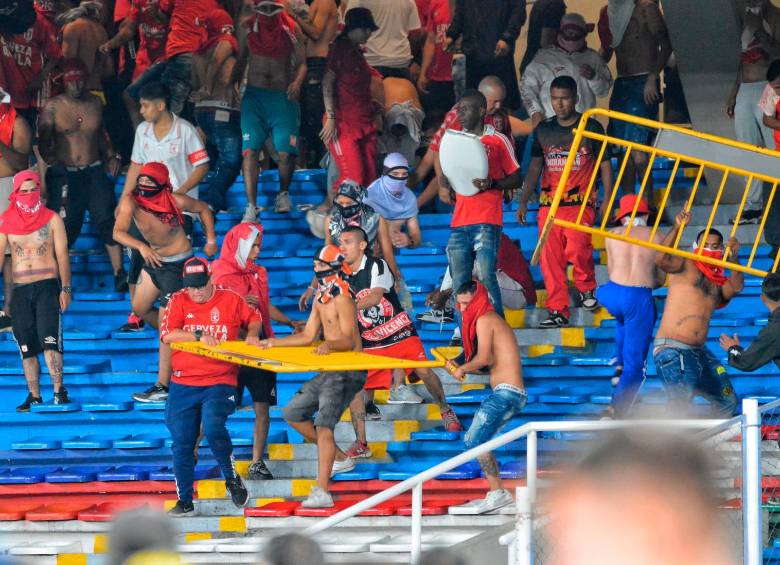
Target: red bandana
(478,307)
(162,204)
(219,27)
(271,36)
(714,274)
(7,119)
(26,213)
(233,271)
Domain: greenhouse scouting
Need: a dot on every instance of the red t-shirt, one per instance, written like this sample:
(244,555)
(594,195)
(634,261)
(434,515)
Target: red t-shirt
(185,35)
(354,107)
(151,33)
(22,59)
(499,121)
(423,9)
(488,207)
(222,316)
(436,22)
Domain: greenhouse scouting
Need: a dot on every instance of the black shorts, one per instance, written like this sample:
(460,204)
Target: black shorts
(136,259)
(168,278)
(36,322)
(260,383)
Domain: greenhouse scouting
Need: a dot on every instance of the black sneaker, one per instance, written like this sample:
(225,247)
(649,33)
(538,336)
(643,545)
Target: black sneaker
(134,324)
(62,397)
(555,320)
(259,472)
(120,281)
(155,393)
(25,406)
(588,301)
(372,411)
(749,217)
(182,509)
(5,322)
(237,489)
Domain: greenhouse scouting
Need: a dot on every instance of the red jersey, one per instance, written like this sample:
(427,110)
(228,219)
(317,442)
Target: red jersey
(488,207)
(499,121)
(553,142)
(423,9)
(222,316)
(185,35)
(151,35)
(22,59)
(436,23)
(355,107)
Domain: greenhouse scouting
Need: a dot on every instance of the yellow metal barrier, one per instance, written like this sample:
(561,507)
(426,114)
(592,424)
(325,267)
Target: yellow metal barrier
(728,150)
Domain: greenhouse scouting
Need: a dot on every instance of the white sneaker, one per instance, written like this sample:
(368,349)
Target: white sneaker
(342,466)
(282,203)
(318,498)
(250,214)
(404,394)
(494,500)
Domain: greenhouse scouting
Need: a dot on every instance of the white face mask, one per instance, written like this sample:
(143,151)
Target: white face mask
(637,221)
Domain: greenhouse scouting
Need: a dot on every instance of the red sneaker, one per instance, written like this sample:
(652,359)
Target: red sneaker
(451,422)
(359,450)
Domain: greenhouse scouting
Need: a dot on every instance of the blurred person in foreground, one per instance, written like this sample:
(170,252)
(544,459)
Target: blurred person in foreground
(292,549)
(652,488)
(140,536)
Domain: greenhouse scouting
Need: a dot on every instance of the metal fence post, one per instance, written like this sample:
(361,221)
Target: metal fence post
(751,481)
(416,523)
(524,529)
(532,464)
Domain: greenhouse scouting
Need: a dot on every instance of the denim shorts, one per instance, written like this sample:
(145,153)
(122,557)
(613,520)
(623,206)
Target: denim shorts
(327,394)
(628,96)
(503,404)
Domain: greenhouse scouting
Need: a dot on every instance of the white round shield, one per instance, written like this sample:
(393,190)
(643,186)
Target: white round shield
(463,159)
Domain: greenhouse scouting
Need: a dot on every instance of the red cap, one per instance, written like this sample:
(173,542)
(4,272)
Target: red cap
(73,70)
(627,203)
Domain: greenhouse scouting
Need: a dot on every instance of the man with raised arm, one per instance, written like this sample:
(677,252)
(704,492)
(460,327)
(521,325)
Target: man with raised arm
(328,394)
(685,365)
(488,344)
(41,276)
(157,213)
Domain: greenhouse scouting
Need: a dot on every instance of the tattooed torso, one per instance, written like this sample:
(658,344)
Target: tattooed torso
(32,256)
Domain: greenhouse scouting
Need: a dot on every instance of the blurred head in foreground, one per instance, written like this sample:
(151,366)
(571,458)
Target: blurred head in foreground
(441,556)
(142,537)
(643,498)
(292,549)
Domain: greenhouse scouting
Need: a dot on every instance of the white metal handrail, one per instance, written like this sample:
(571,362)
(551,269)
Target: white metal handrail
(531,429)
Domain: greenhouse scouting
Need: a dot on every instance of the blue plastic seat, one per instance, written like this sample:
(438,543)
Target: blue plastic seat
(438,433)
(140,441)
(76,474)
(107,406)
(362,472)
(25,475)
(87,442)
(36,443)
(55,408)
(201,472)
(128,473)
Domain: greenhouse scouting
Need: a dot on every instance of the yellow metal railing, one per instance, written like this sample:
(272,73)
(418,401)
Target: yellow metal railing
(697,163)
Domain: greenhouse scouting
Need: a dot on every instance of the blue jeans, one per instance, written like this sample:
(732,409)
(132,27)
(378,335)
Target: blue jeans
(223,143)
(472,252)
(175,73)
(496,410)
(634,311)
(685,372)
(187,407)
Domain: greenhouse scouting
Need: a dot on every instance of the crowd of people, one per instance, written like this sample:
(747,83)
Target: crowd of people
(368,89)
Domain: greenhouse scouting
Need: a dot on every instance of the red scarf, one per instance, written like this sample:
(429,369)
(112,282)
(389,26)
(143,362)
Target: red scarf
(162,205)
(26,213)
(714,274)
(233,271)
(271,36)
(219,27)
(7,119)
(513,263)
(478,307)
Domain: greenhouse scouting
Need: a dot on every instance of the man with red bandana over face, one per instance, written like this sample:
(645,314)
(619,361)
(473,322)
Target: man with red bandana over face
(272,45)
(41,277)
(157,213)
(685,365)
(75,145)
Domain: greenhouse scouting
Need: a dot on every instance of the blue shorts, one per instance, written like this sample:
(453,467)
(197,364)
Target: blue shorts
(628,96)
(267,113)
(496,410)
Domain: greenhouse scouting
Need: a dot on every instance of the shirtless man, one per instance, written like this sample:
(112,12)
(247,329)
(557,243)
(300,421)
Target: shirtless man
(40,264)
(488,343)
(217,103)
(273,45)
(760,45)
(320,25)
(157,213)
(15,147)
(685,365)
(640,41)
(79,153)
(82,35)
(402,119)
(628,296)
(327,394)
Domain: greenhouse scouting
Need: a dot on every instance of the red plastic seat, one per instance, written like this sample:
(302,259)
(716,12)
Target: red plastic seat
(433,507)
(105,511)
(273,510)
(338,506)
(57,512)
(14,510)
(388,508)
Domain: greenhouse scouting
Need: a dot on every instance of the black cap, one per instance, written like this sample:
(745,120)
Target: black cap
(359,18)
(195,272)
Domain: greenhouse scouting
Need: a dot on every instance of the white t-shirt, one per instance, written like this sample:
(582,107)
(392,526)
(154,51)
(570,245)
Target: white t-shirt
(389,45)
(768,102)
(181,150)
